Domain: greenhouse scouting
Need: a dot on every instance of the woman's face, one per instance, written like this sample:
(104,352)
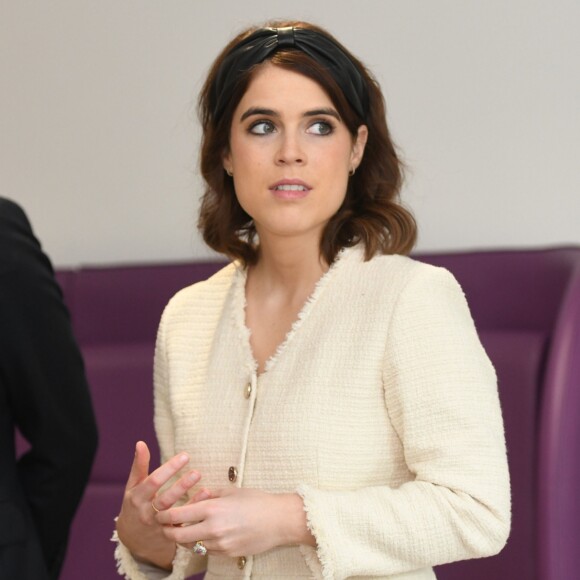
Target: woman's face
(290,154)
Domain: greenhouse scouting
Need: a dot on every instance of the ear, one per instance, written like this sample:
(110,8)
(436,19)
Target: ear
(358,147)
(227,162)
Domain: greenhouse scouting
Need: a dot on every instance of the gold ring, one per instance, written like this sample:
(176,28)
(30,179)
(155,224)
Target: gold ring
(155,507)
(199,548)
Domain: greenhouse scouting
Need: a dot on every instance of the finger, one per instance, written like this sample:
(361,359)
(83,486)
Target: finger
(140,466)
(200,495)
(188,534)
(177,490)
(156,479)
(185,514)
(213,547)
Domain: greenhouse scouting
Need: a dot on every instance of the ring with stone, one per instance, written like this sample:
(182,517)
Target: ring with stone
(199,548)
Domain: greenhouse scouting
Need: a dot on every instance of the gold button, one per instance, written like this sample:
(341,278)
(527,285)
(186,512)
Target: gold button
(232,474)
(248,390)
(241,562)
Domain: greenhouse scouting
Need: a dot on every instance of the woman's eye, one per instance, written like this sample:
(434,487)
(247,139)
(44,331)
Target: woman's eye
(262,128)
(321,128)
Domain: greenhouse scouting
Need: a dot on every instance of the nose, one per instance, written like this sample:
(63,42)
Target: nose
(290,151)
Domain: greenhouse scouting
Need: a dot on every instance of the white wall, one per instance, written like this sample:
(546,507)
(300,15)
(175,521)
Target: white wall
(98,132)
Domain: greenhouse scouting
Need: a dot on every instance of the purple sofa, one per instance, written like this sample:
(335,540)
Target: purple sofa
(526,305)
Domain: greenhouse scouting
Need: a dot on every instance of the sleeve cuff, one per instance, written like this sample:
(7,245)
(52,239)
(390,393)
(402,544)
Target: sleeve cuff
(317,559)
(133,569)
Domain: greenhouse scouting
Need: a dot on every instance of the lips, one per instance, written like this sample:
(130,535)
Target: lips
(290,189)
(290,185)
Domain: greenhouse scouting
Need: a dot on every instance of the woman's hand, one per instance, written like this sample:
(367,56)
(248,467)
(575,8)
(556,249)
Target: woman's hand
(137,526)
(238,522)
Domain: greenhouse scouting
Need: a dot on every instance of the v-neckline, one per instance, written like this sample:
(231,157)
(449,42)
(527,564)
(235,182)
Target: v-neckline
(239,312)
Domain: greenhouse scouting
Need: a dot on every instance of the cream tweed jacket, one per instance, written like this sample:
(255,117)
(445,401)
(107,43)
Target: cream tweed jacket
(380,409)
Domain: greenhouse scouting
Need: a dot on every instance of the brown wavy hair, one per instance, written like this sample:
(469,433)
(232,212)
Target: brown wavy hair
(371,213)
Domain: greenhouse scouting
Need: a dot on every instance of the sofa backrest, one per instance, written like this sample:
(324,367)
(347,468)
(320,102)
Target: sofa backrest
(522,302)
(123,304)
(526,306)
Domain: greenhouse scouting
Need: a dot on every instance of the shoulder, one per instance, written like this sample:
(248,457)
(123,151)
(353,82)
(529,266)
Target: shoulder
(11,212)
(398,274)
(19,248)
(206,289)
(422,294)
(202,298)
(13,221)
(190,318)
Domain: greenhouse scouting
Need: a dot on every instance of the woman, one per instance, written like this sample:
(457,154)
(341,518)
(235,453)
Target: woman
(331,394)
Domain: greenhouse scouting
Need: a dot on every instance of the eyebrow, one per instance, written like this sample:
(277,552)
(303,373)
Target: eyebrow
(253,111)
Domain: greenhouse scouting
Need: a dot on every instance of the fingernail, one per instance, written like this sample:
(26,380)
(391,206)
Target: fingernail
(193,475)
(183,458)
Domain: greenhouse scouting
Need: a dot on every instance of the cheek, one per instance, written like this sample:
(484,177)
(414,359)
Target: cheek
(245,193)
(337,158)
(335,167)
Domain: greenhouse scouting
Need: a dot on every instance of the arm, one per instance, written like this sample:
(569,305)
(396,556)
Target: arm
(142,549)
(441,395)
(43,371)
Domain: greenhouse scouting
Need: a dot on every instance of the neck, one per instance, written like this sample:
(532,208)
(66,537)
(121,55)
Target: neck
(290,263)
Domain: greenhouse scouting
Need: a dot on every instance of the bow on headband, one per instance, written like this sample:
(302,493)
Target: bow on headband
(266,41)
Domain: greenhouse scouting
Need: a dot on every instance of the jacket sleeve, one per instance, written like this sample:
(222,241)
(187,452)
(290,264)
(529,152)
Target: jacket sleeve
(184,564)
(42,371)
(441,396)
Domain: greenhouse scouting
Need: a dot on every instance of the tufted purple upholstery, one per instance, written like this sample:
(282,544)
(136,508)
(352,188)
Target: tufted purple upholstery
(526,305)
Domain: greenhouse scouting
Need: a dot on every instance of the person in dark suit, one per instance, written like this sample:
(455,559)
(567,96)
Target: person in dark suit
(44,393)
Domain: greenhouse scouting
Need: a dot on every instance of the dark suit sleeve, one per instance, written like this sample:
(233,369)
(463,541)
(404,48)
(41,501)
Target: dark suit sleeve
(43,372)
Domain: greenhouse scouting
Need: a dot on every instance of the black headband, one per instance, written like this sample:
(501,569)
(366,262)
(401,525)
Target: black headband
(266,41)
